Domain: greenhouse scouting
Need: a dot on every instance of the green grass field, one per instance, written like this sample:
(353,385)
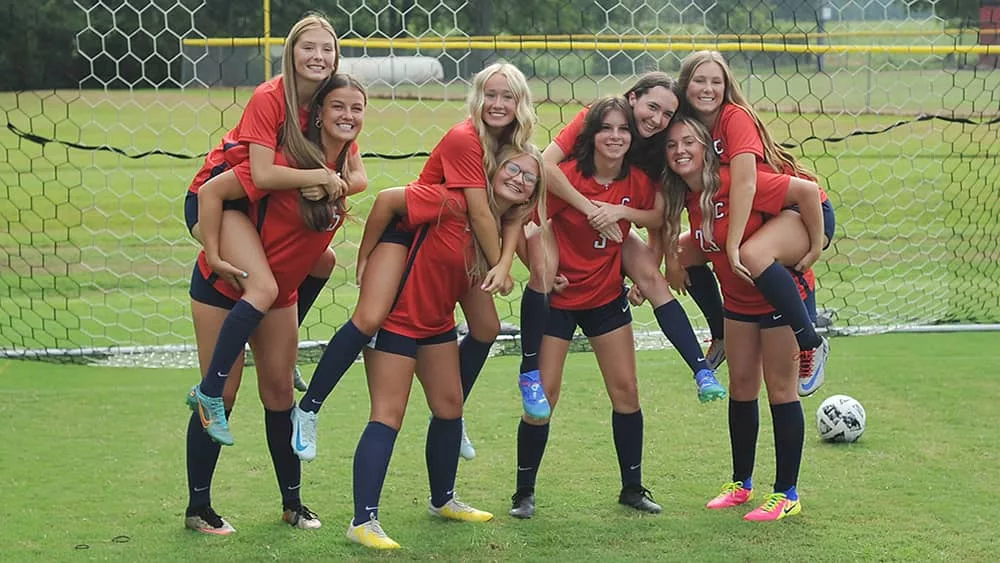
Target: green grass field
(91,454)
(97,254)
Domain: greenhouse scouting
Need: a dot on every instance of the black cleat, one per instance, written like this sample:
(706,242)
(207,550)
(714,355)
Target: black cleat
(523,504)
(639,498)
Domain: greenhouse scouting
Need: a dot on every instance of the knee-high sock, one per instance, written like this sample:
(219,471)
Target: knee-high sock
(534,314)
(627,430)
(240,323)
(441,455)
(676,327)
(371,462)
(531,442)
(309,290)
(287,466)
(778,287)
(472,356)
(704,289)
(744,421)
(340,353)
(202,457)
(789,434)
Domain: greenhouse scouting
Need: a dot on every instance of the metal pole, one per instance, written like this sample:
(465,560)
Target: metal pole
(267,40)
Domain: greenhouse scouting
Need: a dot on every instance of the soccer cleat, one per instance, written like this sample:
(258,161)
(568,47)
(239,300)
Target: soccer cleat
(522,504)
(456,510)
(812,368)
(206,521)
(298,382)
(370,534)
(304,433)
(466,449)
(716,353)
(533,395)
(776,507)
(212,412)
(301,517)
(639,498)
(733,494)
(709,388)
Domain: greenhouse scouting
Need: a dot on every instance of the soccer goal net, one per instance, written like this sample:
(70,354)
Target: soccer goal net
(895,105)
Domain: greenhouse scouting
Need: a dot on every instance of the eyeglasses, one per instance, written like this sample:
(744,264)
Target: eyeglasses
(512,169)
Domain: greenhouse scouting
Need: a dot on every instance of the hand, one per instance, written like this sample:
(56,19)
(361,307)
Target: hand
(612,231)
(495,279)
(677,277)
(808,260)
(507,287)
(559,283)
(635,297)
(313,193)
(226,271)
(738,268)
(336,187)
(360,270)
(604,215)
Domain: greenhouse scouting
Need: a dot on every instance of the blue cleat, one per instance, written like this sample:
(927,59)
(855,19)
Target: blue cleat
(709,388)
(212,413)
(533,395)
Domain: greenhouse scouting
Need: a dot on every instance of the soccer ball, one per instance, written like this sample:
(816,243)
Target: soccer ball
(840,419)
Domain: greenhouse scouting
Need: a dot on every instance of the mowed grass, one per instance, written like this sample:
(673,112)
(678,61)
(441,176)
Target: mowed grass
(97,253)
(90,454)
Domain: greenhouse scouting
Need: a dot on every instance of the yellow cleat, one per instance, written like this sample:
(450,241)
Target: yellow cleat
(455,510)
(370,534)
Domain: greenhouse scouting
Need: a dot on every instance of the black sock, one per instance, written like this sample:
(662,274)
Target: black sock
(744,421)
(371,462)
(472,356)
(287,466)
(240,323)
(309,290)
(534,314)
(789,434)
(676,327)
(531,440)
(778,287)
(202,457)
(704,289)
(441,455)
(627,430)
(340,353)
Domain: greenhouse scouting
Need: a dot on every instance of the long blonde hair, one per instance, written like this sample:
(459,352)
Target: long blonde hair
(780,160)
(675,189)
(518,132)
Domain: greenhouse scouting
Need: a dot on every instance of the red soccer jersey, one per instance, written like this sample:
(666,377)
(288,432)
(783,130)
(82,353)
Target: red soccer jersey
(261,120)
(457,160)
(567,137)
(291,247)
(438,278)
(591,263)
(739,296)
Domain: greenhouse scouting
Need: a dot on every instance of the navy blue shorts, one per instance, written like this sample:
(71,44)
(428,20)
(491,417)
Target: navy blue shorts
(767,320)
(203,291)
(829,221)
(395,343)
(191,208)
(562,323)
(396,235)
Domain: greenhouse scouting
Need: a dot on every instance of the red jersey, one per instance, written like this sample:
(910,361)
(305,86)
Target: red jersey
(438,278)
(592,263)
(738,295)
(567,137)
(457,160)
(291,247)
(262,118)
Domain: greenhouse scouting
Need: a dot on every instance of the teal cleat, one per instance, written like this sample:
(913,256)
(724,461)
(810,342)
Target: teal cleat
(212,413)
(709,388)
(536,405)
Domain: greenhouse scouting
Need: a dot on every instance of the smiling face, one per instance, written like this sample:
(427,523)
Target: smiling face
(706,91)
(685,150)
(343,114)
(614,138)
(517,179)
(653,110)
(499,102)
(315,55)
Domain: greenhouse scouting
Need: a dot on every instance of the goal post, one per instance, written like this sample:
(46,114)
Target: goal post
(900,121)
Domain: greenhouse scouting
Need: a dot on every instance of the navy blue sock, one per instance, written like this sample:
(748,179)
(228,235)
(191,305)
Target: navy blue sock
(240,323)
(340,353)
(744,421)
(676,327)
(287,466)
(534,314)
(778,287)
(371,462)
(789,434)
(704,289)
(309,290)
(441,454)
(531,442)
(472,356)
(627,430)
(202,457)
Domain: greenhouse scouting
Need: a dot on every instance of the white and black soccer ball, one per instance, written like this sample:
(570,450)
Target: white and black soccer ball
(840,419)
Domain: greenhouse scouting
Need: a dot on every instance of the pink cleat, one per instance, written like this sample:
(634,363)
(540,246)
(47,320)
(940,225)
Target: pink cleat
(733,494)
(777,506)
